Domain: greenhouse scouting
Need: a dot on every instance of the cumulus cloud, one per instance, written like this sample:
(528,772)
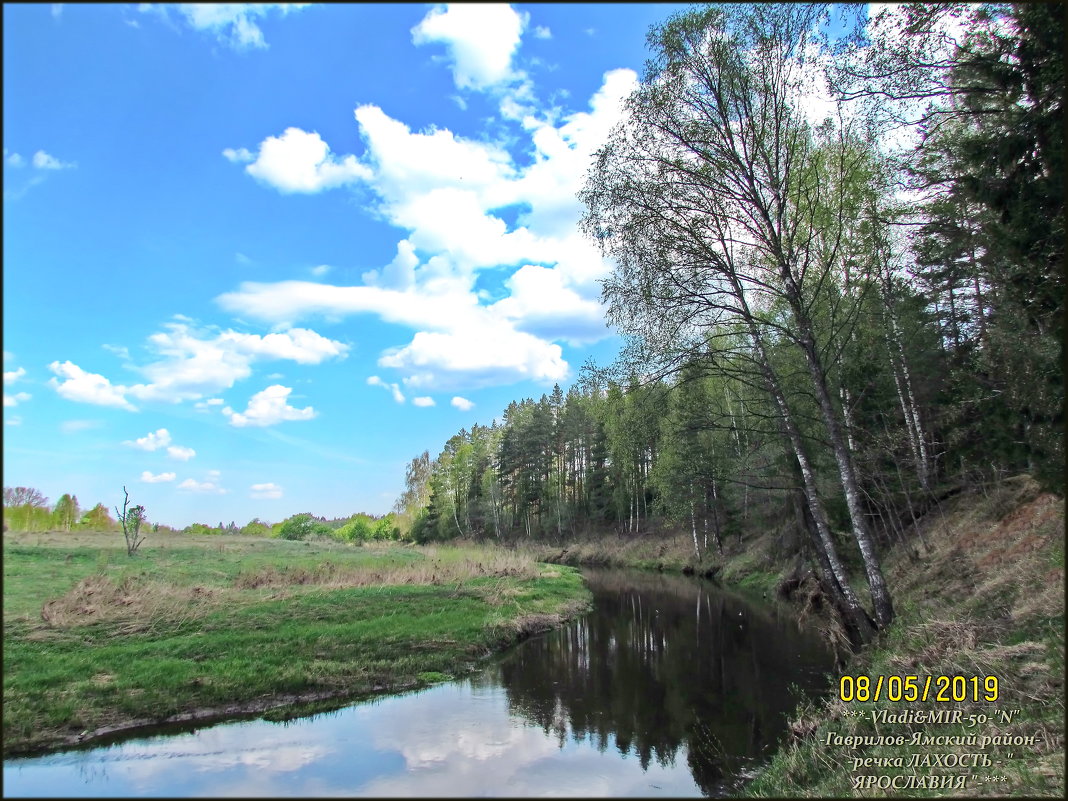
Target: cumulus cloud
(267,408)
(463,404)
(195,363)
(542,32)
(299,161)
(16,399)
(11,376)
(181,453)
(453,196)
(321,270)
(375,381)
(234,24)
(268,490)
(476,356)
(83,387)
(481,39)
(152,441)
(423,400)
(148,478)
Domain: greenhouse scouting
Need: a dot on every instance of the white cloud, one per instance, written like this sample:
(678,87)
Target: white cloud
(234,24)
(241,258)
(181,453)
(241,154)
(205,405)
(16,399)
(195,364)
(298,161)
(148,478)
(423,400)
(476,356)
(119,350)
(375,381)
(197,486)
(542,304)
(268,490)
(267,408)
(11,376)
(447,192)
(152,441)
(321,269)
(86,387)
(463,404)
(43,161)
(14,420)
(13,159)
(542,32)
(481,39)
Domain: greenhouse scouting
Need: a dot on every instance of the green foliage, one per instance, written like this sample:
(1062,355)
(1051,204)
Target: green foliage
(256,528)
(99,519)
(66,513)
(297,527)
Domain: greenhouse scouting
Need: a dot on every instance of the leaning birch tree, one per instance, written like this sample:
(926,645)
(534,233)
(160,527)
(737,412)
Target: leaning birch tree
(722,206)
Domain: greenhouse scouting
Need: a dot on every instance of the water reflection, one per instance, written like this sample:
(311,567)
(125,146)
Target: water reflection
(670,687)
(668,666)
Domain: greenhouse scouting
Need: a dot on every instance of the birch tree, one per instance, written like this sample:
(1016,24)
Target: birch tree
(720,203)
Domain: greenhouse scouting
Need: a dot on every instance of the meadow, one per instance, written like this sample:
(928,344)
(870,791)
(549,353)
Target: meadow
(198,628)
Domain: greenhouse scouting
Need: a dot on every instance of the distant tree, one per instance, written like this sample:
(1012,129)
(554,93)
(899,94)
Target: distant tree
(21,496)
(131,520)
(297,527)
(256,528)
(98,519)
(66,512)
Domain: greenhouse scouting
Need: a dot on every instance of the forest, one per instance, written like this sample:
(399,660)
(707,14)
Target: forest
(825,336)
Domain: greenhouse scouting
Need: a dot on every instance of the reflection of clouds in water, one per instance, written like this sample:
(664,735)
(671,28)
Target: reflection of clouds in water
(440,725)
(454,739)
(449,751)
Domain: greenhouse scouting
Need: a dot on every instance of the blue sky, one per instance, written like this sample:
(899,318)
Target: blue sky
(256,258)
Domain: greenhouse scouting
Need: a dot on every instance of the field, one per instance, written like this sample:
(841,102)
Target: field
(198,628)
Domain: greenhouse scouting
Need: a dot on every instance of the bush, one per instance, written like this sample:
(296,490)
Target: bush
(298,527)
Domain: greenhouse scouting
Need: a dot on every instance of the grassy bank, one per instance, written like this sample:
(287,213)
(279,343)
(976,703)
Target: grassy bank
(984,597)
(198,628)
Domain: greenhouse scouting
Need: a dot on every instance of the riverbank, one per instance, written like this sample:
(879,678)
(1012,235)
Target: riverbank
(978,588)
(984,596)
(194,629)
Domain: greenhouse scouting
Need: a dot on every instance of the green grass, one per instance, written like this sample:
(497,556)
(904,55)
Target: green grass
(96,639)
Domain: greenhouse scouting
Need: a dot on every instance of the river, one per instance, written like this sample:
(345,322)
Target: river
(669,686)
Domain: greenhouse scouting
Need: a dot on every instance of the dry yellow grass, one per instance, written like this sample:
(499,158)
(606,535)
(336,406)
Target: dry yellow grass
(137,605)
(432,571)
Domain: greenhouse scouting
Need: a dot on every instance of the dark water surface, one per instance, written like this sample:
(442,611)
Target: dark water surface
(670,686)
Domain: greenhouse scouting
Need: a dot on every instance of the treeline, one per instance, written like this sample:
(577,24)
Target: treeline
(27,509)
(808,349)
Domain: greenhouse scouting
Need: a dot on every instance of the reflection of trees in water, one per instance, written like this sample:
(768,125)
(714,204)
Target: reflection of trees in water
(664,662)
